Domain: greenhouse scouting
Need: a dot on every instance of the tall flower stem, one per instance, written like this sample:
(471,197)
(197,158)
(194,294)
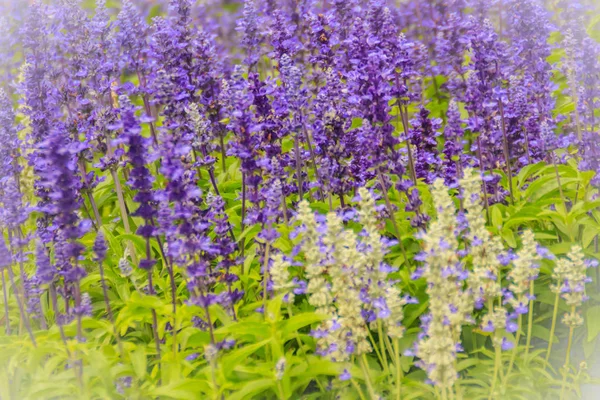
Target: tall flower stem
(552,327)
(243,240)
(266,278)
(314,162)
(515,349)
(123,210)
(388,205)
(109,308)
(382,347)
(398,370)
(482,169)
(53,298)
(411,160)
(567,359)
(298,167)
(530,317)
(506,153)
(22,311)
(154,320)
(90,196)
(497,353)
(365,370)
(6,312)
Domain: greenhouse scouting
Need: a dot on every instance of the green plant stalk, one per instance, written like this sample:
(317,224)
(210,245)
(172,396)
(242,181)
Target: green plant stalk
(109,309)
(298,166)
(154,318)
(22,311)
(375,347)
(382,347)
(213,375)
(398,370)
(530,317)
(123,210)
(497,353)
(515,349)
(365,369)
(280,391)
(388,205)
(497,356)
(506,154)
(567,359)
(552,327)
(6,312)
(266,279)
(357,387)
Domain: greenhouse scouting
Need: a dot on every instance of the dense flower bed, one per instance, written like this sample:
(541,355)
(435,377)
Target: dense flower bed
(299,199)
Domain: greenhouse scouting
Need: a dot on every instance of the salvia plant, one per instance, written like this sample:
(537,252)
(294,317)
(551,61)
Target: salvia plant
(308,199)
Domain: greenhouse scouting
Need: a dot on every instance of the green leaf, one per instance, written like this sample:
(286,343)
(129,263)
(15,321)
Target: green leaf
(250,390)
(292,325)
(236,356)
(138,361)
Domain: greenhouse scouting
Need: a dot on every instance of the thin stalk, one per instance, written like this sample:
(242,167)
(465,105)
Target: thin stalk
(411,162)
(154,320)
(497,356)
(298,167)
(243,240)
(123,209)
(266,279)
(213,181)
(90,196)
(375,347)
(54,300)
(567,359)
(388,204)
(314,162)
(24,316)
(109,308)
(485,194)
(142,80)
(382,347)
(560,189)
(365,369)
(358,390)
(280,391)
(529,317)
(6,312)
(398,370)
(77,293)
(79,361)
(552,327)
(222,141)
(515,349)
(506,153)
(497,353)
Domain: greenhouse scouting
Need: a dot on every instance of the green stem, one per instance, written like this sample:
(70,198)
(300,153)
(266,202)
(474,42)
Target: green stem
(515,349)
(382,347)
(266,279)
(280,391)
(529,317)
(365,369)
(357,387)
(375,347)
(567,359)
(398,370)
(552,327)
